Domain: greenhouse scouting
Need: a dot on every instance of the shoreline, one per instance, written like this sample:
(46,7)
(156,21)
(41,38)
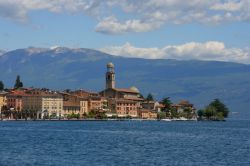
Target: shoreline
(56,120)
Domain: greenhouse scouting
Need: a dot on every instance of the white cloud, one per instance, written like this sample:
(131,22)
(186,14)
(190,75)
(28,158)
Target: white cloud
(19,9)
(111,25)
(230,6)
(120,16)
(211,50)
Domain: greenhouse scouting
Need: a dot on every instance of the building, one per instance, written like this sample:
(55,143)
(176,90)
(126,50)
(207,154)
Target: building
(52,106)
(84,108)
(125,108)
(152,105)
(71,105)
(15,100)
(3,102)
(35,103)
(123,102)
(182,105)
(185,109)
(45,103)
(148,114)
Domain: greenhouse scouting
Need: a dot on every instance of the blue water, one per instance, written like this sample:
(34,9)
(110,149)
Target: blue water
(125,143)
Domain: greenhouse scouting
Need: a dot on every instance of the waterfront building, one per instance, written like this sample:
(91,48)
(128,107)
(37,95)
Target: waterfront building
(97,103)
(125,108)
(152,106)
(44,103)
(3,102)
(84,107)
(71,104)
(185,109)
(52,106)
(121,101)
(15,101)
(182,105)
(148,114)
(35,103)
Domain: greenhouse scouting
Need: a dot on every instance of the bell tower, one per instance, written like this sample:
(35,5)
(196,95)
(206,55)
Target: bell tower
(110,76)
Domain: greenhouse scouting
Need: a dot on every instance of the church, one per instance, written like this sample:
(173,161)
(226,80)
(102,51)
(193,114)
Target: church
(122,101)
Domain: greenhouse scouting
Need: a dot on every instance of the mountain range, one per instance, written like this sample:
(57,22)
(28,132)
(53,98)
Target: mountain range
(197,81)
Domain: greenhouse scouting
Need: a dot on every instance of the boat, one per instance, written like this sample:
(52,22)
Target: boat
(168,120)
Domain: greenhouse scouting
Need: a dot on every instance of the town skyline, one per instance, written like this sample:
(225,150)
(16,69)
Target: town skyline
(112,102)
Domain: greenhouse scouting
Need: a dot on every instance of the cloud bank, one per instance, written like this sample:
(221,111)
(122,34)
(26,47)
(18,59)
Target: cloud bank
(122,16)
(211,50)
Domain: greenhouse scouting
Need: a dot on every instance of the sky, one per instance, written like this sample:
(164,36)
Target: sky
(152,29)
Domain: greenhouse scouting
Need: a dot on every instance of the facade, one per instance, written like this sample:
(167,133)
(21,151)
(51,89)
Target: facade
(125,108)
(15,100)
(182,105)
(71,104)
(84,106)
(40,103)
(3,101)
(52,106)
(148,114)
(152,105)
(98,104)
(185,109)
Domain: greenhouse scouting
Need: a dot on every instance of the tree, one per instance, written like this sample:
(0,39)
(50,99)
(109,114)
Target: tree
(1,86)
(167,103)
(18,83)
(220,107)
(174,113)
(161,115)
(210,112)
(200,113)
(150,97)
(141,96)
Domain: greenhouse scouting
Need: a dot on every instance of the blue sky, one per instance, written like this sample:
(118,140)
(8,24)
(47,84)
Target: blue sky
(195,29)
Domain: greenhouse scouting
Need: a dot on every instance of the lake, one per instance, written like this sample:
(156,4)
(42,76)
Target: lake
(124,143)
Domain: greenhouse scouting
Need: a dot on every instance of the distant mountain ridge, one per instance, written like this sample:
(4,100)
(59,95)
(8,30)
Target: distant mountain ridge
(197,81)
(2,52)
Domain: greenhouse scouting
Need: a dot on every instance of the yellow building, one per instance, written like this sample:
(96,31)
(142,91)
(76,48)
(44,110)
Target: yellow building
(84,106)
(52,106)
(3,101)
(71,104)
(45,104)
(148,114)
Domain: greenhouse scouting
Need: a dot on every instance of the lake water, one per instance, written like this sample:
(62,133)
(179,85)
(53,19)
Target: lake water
(125,143)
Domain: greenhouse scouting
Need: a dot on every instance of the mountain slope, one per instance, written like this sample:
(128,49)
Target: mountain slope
(197,81)
(2,52)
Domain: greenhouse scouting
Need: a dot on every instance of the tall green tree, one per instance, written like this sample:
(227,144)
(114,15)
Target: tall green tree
(200,113)
(220,107)
(18,83)
(150,97)
(167,103)
(210,112)
(1,86)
